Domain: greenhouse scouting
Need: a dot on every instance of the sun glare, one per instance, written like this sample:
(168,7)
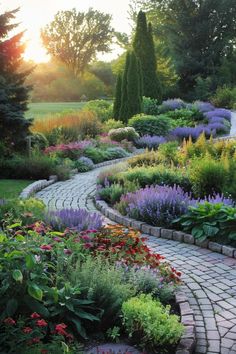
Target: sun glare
(36,52)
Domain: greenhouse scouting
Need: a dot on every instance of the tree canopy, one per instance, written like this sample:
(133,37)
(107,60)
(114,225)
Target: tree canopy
(76,37)
(13,92)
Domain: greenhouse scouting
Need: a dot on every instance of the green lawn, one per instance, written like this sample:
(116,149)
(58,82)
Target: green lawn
(11,188)
(39,110)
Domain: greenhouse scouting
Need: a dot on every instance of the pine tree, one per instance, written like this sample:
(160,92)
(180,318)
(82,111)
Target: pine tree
(117,102)
(144,49)
(133,86)
(14,127)
(124,114)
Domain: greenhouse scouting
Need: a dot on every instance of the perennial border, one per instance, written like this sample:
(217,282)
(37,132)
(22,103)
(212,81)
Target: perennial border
(168,234)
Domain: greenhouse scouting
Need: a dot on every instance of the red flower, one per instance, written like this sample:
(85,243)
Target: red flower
(35,315)
(9,321)
(44,351)
(27,330)
(36,340)
(46,247)
(60,329)
(41,323)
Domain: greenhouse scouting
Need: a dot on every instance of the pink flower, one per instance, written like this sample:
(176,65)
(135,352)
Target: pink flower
(35,315)
(60,329)
(9,321)
(41,323)
(46,247)
(27,330)
(67,251)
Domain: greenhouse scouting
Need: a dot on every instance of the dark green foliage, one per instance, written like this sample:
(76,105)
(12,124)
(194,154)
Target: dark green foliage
(150,125)
(123,115)
(207,221)
(200,35)
(35,168)
(144,49)
(133,86)
(13,93)
(117,101)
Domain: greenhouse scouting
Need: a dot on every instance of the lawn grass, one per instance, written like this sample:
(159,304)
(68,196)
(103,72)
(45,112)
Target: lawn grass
(11,188)
(39,110)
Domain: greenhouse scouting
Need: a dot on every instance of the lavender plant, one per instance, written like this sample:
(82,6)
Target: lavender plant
(204,106)
(84,164)
(150,142)
(173,104)
(219,112)
(79,220)
(156,205)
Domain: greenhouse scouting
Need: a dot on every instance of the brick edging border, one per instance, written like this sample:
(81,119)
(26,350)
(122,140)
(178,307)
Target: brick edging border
(188,340)
(168,234)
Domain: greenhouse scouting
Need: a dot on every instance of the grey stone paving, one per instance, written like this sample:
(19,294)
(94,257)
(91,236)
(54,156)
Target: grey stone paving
(233,124)
(209,278)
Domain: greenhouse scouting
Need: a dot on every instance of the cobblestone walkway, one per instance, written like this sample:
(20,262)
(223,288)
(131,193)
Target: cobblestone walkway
(210,278)
(233,124)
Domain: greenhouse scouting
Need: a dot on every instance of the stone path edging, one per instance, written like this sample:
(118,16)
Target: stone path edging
(37,186)
(168,234)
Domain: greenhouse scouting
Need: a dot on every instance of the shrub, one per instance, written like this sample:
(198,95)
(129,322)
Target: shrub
(96,155)
(113,124)
(190,115)
(34,167)
(224,97)
(207,176)
(148,158)
(149,322)
(168,153)
(172,105)
(84,164)
(150,125)
(27,211)
(150,106)
(39,141)
(204,106)
(120,134)
(156,205)
(103,109)
(112,193)
(186,132)
(150,142)
(79,219)
(156,175)
(211,221)
(116,153)
(72,150)
(102,283)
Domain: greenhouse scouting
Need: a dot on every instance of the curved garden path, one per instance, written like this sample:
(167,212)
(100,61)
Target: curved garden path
(210,278)
(233,124)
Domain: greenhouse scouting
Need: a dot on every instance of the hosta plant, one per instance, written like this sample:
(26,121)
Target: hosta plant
(210,221)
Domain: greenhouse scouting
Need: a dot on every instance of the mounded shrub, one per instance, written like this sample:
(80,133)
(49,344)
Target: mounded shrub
(120,134)
(151,125)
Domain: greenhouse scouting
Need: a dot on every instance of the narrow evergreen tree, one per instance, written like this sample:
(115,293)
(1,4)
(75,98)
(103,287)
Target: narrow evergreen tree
(133,86)
(144,49)
(117,102)
(14,127)
(124,113)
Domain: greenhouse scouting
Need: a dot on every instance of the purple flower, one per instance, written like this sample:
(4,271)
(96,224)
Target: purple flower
(218,127)
(219,112)
(150,142)
(186,132)
(204,106)
(79,219)
(215,119)
(173,104)
(216,199)
(157,205)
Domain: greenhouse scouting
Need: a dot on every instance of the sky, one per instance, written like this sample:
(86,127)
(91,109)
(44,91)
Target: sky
(35,14)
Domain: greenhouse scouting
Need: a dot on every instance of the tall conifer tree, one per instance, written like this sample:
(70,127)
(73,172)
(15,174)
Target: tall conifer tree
(133,86)
(14,127)
(117,102)
(144,49)
(123,115)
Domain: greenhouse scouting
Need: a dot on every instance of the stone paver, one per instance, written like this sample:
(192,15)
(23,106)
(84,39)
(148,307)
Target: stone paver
(209,278)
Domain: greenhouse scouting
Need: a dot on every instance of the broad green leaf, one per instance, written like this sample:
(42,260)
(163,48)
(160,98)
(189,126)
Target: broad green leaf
(17,275)
(35,291)
(36,306)
(79,327)
(30,261)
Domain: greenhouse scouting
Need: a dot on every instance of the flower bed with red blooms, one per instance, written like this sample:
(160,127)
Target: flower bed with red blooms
(45,309)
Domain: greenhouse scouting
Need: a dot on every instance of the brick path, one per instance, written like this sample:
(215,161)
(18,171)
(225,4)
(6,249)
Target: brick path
(210,278)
